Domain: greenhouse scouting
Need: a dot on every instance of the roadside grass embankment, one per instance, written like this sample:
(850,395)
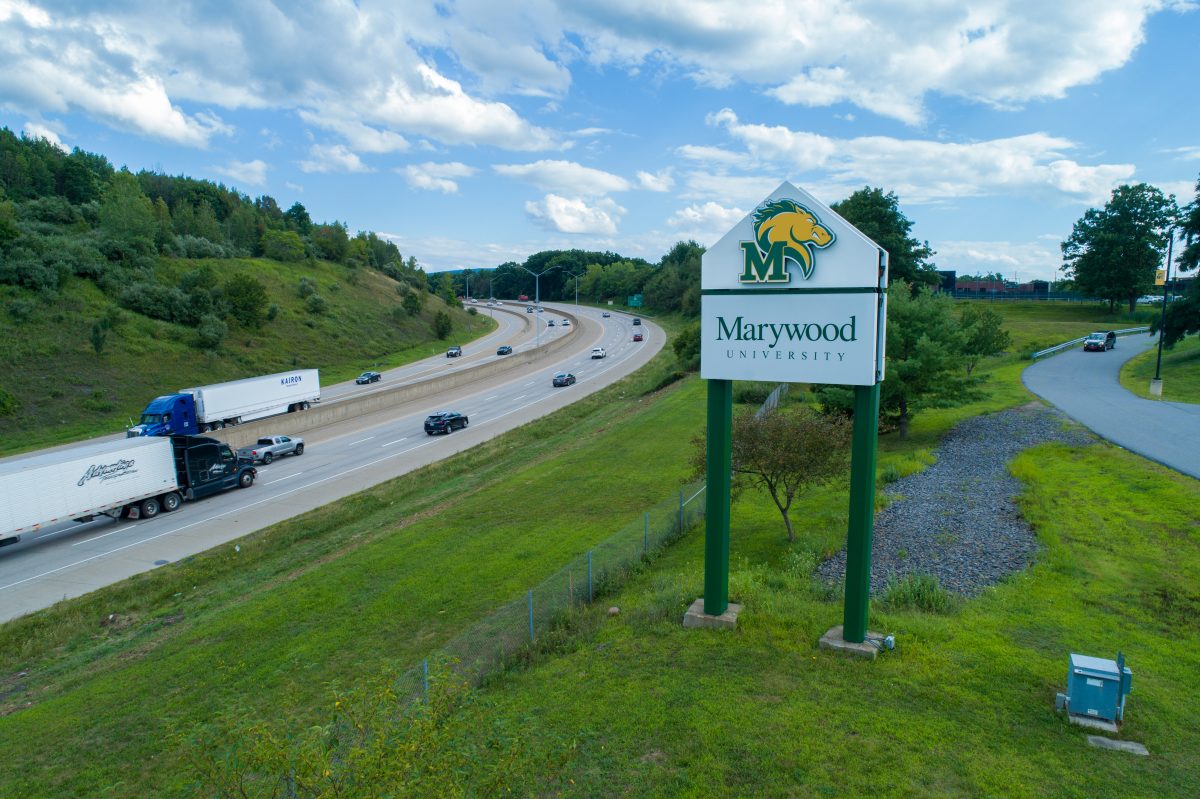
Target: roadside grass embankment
(1180,372)
(376,581)
(634,704)
(66,392)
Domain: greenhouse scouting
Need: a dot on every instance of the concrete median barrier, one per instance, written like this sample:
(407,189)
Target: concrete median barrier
(351,407)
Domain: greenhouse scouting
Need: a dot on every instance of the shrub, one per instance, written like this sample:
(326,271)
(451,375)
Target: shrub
(751,393)
(187,246)
(9,404)
(158,302)
(25,267)
(472,312)
(246,298)
(272,312)
(21,309)
(307,288)
(917,592)
(283,245)
(98,337)
(687,347)
(412,301)
(442,325)
(211,332)
(317,304)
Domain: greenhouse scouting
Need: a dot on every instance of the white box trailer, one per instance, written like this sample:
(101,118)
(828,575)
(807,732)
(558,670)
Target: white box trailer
(83,482)
(205,408)
(256,397)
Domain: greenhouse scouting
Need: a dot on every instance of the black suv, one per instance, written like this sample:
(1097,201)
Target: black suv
(367,377)
(454,352)
(444,422)
(1100,341)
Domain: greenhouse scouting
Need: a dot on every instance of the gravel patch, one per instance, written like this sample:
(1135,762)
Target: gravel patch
(958,519)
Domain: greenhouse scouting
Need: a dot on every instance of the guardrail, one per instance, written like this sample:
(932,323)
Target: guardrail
(1057,348)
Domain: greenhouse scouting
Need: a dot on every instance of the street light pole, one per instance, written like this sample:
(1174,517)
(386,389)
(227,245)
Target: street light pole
(572,274)
(537,299)
(1156,383)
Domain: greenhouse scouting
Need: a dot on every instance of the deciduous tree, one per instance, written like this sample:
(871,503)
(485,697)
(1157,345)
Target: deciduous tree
(983,335)
(1113,252)
(784,452)
(879,217)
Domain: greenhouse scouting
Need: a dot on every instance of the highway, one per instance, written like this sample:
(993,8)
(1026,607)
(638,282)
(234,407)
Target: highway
(338,460)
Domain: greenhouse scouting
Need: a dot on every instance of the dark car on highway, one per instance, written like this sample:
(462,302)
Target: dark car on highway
(637,321)
(1100,341)
(638,337)
(563,379)
(505,350)
(367,377)
(444,422)
(454,352)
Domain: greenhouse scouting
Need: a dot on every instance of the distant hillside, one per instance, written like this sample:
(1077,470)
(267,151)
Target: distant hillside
(117,287)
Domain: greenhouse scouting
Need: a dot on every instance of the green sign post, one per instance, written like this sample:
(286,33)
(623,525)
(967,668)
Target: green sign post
(862,513)
(719,467)
(793,294)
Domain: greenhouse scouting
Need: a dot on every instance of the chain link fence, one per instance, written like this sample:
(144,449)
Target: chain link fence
(495,641)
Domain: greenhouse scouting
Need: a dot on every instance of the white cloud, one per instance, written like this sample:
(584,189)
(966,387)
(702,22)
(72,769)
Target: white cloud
(921,170)
(361,138)
(248,173)
(1186,153)
(436,177)
(657,181)
(575,215)
(705,223)
(45,130)
(1023,261)
(883,57)
(566,177)
(333,158)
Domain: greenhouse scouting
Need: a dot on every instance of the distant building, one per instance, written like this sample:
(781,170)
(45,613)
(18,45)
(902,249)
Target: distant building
(948,280)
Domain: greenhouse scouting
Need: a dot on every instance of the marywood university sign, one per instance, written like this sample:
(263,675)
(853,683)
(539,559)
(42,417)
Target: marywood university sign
(793,294)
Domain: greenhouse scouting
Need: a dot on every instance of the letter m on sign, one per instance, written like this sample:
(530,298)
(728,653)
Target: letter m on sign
(757,269)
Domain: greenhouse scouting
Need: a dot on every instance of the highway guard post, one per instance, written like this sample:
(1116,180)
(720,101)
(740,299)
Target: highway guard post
(793,294)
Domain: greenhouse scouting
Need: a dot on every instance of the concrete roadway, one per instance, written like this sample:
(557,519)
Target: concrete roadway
(338,460)
(1085,386)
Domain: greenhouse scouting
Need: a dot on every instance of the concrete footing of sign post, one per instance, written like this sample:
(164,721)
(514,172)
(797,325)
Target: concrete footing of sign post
(696,617)
(1093,722)
(1156,386)
(1132,747)
(834,642)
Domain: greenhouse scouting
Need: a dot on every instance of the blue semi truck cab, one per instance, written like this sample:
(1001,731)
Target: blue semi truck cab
(168,415)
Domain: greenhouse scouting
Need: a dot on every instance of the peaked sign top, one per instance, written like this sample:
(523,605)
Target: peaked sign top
(793,241)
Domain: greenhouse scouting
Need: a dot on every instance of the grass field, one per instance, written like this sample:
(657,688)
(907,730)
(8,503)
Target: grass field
(1180,372)
(66,392)
(634,705)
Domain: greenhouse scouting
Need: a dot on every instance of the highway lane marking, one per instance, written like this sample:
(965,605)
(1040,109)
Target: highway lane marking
(212,518)
(485,399)
(523,396)
(278,496)
(361,440)
(397,441)
(281,479)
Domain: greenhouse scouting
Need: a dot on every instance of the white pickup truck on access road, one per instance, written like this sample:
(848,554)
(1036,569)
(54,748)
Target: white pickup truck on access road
(269,448)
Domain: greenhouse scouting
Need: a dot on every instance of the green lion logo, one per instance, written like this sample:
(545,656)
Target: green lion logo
(784,230)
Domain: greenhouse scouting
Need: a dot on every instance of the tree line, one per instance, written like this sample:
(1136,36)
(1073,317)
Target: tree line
(73,214)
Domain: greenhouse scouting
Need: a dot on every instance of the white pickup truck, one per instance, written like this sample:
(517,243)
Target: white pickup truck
(269,448)
(598,352)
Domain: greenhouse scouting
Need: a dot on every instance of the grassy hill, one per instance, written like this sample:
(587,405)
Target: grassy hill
(633,704)
(65,391)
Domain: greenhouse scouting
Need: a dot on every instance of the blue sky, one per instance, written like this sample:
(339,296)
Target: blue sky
(476,132)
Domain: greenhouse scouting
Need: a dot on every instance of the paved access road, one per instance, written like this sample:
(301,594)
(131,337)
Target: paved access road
(338,460)
(1085,386)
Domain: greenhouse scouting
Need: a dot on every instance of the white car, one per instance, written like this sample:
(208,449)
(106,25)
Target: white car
(598,352)
(566,323)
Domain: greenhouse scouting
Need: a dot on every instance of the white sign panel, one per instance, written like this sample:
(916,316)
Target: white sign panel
(792,240)
(789,338)
(793,294)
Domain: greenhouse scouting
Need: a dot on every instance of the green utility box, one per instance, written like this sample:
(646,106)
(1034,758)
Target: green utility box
(1096,688)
